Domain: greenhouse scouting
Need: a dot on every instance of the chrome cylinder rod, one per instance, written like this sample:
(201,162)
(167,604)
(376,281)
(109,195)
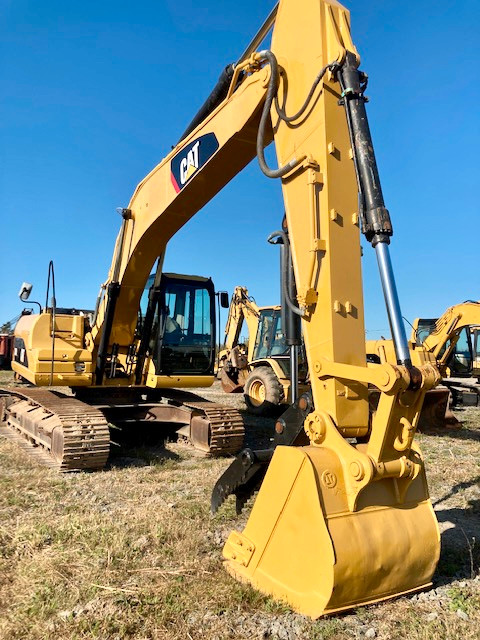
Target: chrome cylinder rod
(393,304)
(294,373)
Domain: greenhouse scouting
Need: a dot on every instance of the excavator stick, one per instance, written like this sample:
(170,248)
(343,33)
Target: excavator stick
(347,519)
(303,545)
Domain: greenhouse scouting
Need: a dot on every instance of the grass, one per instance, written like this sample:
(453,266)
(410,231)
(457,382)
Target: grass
(133,552)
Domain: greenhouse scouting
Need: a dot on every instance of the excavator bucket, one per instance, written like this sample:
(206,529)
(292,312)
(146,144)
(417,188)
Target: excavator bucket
(436,414)
(304,546)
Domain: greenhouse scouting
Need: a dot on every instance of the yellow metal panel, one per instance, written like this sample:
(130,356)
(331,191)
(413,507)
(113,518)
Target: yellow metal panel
(41,377)
(167,382)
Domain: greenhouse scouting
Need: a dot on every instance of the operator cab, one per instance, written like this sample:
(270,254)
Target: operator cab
(182,339)
(270,340)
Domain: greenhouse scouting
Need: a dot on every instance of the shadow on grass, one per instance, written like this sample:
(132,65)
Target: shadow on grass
(141,446)
(460,552)
(463,433)
(457,488)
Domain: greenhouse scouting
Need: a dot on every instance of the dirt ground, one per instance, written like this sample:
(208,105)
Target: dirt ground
(133,551)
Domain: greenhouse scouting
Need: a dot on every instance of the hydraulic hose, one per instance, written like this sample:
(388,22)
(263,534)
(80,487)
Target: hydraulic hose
(297,310)
(303,108)
(271,93)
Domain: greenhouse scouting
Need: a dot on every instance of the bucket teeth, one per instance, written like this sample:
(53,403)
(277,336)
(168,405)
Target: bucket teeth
(242,478)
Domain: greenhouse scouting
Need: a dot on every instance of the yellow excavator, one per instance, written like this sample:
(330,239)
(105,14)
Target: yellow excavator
(345,519)
(170,323)
(451,342)
(263,369)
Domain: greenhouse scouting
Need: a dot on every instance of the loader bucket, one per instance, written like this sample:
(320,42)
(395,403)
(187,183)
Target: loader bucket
(230,383)
(303,546)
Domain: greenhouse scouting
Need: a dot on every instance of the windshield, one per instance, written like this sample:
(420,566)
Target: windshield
(269,340)
(186,331)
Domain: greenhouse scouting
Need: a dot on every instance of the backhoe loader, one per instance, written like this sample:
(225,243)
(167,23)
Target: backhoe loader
(261,371)
(345,519)
(235,356)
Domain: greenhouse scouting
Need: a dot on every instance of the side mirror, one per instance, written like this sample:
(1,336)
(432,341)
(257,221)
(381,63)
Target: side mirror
(25,291)
(224,301)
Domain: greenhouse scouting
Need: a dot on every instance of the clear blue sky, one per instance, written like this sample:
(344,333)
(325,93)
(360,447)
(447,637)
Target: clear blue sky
(93,94)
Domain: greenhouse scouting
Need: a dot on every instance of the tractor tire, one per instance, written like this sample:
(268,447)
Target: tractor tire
(263,392)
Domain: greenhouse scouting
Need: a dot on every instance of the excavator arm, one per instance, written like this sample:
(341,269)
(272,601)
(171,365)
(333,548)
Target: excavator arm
(170,195)
(437,348)
(335,486)
(360,473)
(242,309)
(440,343)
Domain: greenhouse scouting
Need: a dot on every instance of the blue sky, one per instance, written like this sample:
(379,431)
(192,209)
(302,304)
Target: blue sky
(93,95)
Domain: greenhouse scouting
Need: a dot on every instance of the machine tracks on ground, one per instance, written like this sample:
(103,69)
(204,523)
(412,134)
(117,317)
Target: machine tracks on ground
(226,427)
(58,431)
(69,434)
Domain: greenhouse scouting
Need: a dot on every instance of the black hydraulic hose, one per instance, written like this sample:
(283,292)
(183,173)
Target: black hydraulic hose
(303,108)
(275,234)
(271,93)
(217,95)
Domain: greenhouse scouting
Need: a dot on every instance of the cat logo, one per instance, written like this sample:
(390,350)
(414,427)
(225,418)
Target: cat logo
(192,158)
(189,165)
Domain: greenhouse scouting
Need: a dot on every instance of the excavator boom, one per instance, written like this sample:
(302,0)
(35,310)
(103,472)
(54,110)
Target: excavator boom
(234,359)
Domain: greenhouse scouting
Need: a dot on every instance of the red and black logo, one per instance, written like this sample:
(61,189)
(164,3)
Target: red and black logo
(192,158)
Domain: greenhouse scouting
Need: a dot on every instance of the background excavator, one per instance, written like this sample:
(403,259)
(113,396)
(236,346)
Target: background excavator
(343,516)
(260,369)
(451,342)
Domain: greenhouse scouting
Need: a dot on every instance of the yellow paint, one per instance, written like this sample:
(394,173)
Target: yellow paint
(335,525)
(167,382)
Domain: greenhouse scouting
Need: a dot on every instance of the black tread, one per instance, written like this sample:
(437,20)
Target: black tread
(274,391)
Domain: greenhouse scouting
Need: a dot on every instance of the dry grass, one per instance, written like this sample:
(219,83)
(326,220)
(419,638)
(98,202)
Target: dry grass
(133,552)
